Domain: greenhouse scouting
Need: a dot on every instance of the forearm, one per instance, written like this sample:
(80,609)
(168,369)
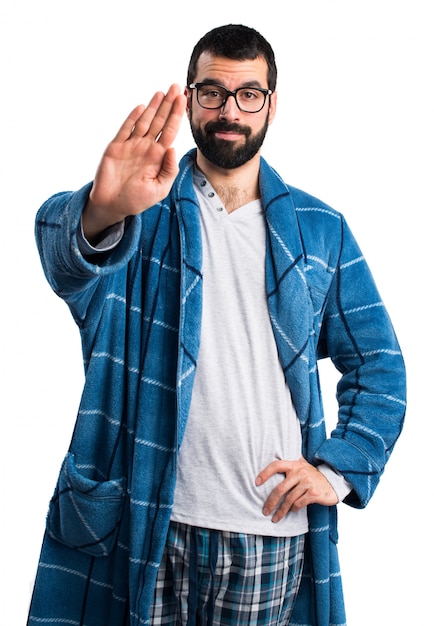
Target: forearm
(70,271)
(339,483)
(358,336)
(106,240)
(95,221)
(55,230)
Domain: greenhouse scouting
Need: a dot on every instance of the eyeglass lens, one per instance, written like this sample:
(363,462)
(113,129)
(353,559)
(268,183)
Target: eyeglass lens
(248,99)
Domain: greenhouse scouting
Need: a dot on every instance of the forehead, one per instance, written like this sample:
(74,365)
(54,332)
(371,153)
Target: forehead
(231,73)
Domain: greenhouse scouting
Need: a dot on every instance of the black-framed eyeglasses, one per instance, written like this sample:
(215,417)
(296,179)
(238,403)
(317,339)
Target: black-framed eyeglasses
(248,99)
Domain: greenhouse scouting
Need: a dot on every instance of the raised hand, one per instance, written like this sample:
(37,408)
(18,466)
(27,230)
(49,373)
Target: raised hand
(138,166)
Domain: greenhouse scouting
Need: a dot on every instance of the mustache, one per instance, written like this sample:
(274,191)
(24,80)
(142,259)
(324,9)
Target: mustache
(222,126)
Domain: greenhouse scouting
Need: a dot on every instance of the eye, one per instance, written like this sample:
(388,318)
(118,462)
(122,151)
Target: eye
(249,94)
(211,93)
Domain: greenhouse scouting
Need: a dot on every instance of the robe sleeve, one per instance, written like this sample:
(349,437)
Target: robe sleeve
(358,336)
(73,275)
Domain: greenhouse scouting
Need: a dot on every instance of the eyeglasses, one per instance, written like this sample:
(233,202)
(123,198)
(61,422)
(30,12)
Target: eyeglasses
(248,99)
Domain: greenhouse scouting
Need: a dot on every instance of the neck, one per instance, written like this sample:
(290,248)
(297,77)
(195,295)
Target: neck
(234,187)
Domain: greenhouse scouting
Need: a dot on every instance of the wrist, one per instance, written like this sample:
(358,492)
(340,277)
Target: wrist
(96,220)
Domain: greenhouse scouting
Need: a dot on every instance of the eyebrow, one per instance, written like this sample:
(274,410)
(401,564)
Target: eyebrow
(250,83)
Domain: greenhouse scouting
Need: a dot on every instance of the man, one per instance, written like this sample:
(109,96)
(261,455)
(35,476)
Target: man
(200,486)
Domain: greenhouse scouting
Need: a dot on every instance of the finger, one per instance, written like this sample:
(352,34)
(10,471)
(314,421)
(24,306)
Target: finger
(275,467)
(171,127)
(295,500)
(144,121)
(164,112)
(166,121)
(169,167)
(125,130)
(277,496)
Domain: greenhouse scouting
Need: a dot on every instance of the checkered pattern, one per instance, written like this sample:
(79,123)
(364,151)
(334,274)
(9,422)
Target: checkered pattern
(216,577)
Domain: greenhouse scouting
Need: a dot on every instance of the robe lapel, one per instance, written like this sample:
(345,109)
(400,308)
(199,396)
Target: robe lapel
(191,290)
(289,303)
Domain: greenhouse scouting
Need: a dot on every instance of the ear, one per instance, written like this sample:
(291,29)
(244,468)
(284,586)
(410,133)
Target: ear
(187,94)
(273,106)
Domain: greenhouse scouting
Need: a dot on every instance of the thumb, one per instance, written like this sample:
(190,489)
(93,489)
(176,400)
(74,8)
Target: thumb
(169,167)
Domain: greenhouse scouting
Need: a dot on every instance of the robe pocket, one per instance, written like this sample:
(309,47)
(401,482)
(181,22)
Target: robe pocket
(85,514)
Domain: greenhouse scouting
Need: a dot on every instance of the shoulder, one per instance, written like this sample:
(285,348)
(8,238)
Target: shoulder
(309,208)
(321,227)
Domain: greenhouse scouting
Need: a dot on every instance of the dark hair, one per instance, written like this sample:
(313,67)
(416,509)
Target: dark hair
(234,41)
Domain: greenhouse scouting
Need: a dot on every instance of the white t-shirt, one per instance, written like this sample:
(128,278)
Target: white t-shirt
(241,417)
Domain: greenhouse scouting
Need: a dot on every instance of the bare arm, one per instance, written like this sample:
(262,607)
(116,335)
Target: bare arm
(138,166)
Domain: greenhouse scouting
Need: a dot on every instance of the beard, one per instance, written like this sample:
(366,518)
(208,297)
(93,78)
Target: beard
(223,153)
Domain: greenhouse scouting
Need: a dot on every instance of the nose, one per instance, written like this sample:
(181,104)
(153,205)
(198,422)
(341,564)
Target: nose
(229,109)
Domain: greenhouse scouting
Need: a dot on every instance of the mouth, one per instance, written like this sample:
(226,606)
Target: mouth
(228,135)
(227,132)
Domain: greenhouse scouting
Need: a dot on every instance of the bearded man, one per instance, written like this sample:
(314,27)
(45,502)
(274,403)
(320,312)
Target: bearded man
(200,486)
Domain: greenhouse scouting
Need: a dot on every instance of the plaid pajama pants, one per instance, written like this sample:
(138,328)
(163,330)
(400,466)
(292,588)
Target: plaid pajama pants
(218,578)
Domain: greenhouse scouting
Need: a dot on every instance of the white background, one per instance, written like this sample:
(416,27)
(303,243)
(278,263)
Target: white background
(354,127)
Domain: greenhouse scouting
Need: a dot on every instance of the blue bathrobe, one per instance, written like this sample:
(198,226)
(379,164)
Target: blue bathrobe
(139,315)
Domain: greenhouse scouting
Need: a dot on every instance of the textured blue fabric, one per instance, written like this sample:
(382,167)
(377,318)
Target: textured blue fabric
(139,315)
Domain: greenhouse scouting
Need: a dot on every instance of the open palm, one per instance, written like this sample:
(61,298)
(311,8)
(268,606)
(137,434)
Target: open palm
(139,165)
